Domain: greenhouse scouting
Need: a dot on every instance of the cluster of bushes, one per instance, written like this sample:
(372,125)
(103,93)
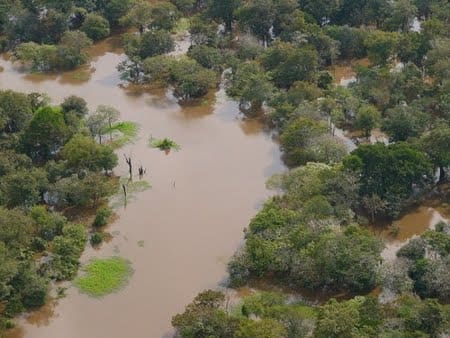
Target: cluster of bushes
(272,315)
(49,160)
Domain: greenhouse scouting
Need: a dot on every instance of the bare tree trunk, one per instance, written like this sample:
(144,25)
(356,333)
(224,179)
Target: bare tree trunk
(130,166)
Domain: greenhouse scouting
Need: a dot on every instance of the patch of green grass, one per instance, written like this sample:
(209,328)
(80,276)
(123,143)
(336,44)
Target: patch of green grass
(104,276)
(133,188)
(124,133)
(164,144)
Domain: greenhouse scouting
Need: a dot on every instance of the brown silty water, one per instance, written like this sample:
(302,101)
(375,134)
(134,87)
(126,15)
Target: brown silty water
(178,235)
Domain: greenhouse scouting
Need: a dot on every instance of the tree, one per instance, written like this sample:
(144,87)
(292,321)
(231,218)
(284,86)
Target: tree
(110,116)
(337,320)
(15,111)
(223,10)
(46,134)
(76,105)
(155,43)
(390,172)
(23,188)
(164,16)
(401,15)
(403,122)
(367,118)
(205,317)
(258,17)
(83,153)
(297,136)
(82,192)
(116,9)
(251,85)
(139,15)
(95,26)
(381,46)
(436,144)
(288,64)
(72,49)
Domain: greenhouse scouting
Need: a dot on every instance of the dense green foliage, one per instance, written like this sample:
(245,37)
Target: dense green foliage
(271,315)
(48,162)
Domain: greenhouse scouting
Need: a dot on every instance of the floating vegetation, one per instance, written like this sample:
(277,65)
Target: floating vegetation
(141,244)
(104,276)
(132,188)
(123,133)
(164,144)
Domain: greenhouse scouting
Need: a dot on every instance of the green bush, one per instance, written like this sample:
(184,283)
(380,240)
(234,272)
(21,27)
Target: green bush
(102,216)
(96,27)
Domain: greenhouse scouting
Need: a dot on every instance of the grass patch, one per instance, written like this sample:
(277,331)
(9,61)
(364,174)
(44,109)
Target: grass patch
(133,188)
(123,133)
(164,144)
(104,276)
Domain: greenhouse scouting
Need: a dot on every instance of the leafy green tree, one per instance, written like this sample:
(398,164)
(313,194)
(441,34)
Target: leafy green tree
(337,320)
(155,43)
(76,105)
(116,9)
(139,15)
(46,134)
(23,188)
(83,153)
(206,56)
(381,46)
(95,26)
(401,15)
(205,317)
(288,64)
(251,85)
(15,111)
(297,136)
(223,10)
(258,17)
(89,190)
(404,122)
(164,15)
(391,172)
(367,118)
(436,144)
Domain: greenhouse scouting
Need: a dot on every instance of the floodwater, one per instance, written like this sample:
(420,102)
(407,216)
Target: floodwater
(411,225)
(179,234)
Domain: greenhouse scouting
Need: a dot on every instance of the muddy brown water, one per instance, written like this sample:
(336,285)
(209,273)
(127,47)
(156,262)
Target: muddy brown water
(178,235)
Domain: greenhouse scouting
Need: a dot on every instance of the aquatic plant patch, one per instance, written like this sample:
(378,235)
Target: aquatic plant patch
(124,133)
(164,144)
(104,276)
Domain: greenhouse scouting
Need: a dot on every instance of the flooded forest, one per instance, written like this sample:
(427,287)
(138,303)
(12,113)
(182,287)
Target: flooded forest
(224,168)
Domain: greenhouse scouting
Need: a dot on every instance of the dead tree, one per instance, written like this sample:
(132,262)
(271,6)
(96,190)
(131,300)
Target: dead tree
(130,165)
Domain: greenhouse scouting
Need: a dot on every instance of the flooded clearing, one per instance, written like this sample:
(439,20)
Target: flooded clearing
(179,234)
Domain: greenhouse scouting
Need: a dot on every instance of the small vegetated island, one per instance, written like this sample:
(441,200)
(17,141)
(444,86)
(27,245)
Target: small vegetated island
(280,59)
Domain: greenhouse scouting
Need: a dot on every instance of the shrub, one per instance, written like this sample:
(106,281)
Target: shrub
(102,216)
(96,27)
